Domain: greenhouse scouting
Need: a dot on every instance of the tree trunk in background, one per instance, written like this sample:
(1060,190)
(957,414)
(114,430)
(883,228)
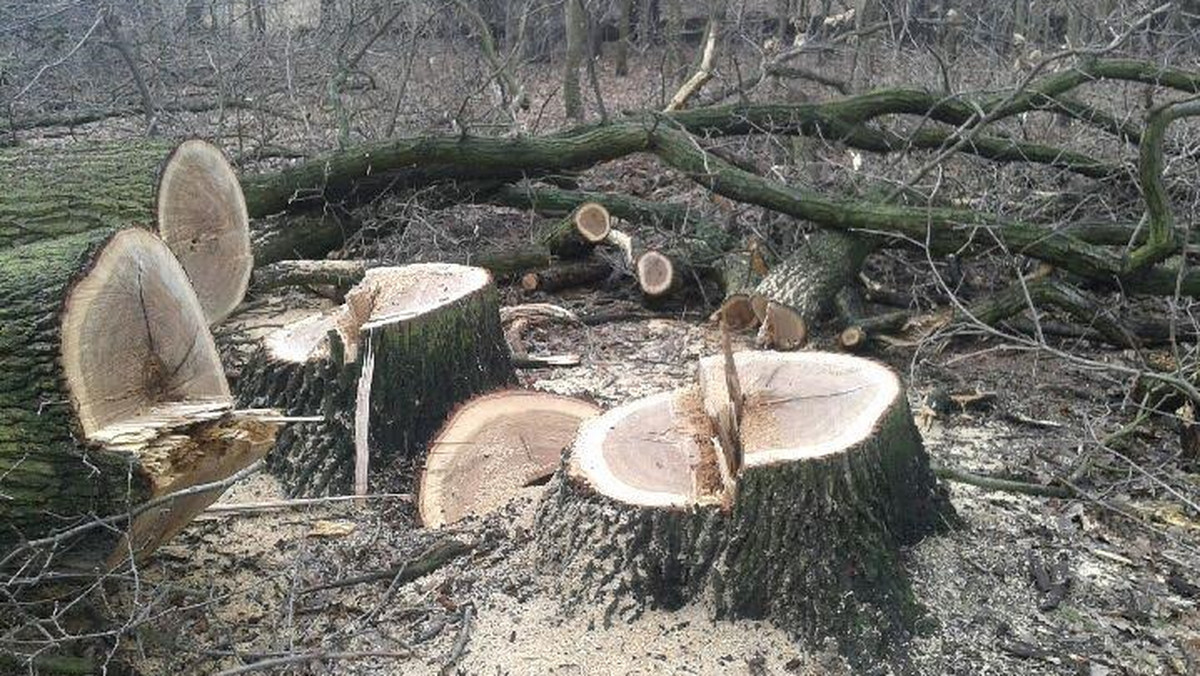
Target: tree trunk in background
(193,16)
(624,35)
(576,25)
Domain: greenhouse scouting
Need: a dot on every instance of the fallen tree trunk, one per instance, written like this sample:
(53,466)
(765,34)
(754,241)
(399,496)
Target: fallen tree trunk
(565,276)
(188,192)
(381,372)
(796,515)
(111,394)
(340,274)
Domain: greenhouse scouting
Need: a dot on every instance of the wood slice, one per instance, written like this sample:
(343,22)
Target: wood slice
(189,192)
(112,391)
(382,372)
(493,446)
(831,483)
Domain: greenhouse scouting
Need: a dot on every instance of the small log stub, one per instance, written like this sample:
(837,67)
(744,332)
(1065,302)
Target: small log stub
(111,393)
(803,526)
(493,446)
(382,371)
(577,235)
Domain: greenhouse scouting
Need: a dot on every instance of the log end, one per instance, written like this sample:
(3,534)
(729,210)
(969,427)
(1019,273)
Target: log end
(592,222)
(202,216)
(656,274)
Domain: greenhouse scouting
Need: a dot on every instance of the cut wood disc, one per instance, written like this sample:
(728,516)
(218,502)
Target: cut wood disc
(382,371)
(656,273)
(113,392)
(202,217)
(593,222)
(799,517)
(493,446)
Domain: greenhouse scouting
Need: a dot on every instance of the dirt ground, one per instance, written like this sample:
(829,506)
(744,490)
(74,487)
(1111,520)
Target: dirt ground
(1127,558)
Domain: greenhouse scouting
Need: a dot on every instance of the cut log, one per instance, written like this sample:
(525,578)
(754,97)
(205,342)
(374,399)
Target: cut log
(195,201)
(802,288)
(657,274)
(111,392)
(833,482)
(738,276)
(202,217)
(565,276)
(576,236)
(493,446)
(382,372)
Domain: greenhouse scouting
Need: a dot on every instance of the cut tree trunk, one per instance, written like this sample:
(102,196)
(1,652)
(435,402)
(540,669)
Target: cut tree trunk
(492,447)
(801,521)
(111,393)
(381,372)
(802,288)
(576,236)
(189,193)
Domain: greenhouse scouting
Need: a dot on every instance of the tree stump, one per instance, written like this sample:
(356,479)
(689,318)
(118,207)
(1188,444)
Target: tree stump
(111,393)
(493,446)
(189,192)
(796,511)
(381,372)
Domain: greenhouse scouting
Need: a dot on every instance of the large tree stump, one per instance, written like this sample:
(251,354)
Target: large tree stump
(493,446)
(189,192)
(111,392)
(796,513)
(381,372)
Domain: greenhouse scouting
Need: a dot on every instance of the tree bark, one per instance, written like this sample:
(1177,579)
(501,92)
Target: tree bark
(576,24)
(804,285)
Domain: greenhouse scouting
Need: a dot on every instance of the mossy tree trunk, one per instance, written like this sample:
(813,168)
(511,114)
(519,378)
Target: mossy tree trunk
(55,191)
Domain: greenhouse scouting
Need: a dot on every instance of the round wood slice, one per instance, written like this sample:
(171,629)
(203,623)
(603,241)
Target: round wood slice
(382,372)
(202,217)
(798,515)
(493,446)
(112,393)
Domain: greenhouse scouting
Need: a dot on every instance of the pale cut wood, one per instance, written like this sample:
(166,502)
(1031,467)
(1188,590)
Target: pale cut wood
(807,530)
(491,447)
(202,216)
(381,371)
